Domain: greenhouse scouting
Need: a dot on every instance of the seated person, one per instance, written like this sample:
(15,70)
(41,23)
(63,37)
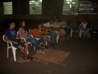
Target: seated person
(48,24)
(10,36)
(94,27)
(40,33)
(65,27)
(57,26)
(85,30)
(41,25)
(51,33)
(74,26)
(23,33)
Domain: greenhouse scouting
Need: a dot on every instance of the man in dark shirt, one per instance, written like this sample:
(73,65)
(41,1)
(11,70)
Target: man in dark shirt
(10,36)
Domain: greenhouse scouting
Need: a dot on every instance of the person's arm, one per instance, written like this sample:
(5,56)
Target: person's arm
(6,38)
(22,35)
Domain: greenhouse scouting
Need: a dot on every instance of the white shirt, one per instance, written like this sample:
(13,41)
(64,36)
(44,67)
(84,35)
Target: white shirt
(84,25)
(48,24)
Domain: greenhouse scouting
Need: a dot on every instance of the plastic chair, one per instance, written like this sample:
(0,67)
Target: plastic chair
(10,45)
(71,33)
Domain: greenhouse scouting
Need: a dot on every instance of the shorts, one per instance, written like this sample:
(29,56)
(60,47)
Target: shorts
(43,36)
(19,43)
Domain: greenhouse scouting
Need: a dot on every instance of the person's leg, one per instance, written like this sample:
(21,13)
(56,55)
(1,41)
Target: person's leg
(44,37)
(26,47)
(23,44)
(53,37)
(34,42)
(21,48)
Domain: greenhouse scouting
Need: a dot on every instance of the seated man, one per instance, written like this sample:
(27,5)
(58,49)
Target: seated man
(52,34)
(57,28)
(65,28)
(10,36)
(74,26)
(41,34)
(48,24)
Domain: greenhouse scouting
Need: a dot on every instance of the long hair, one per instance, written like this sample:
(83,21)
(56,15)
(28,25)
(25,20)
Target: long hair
(22,25)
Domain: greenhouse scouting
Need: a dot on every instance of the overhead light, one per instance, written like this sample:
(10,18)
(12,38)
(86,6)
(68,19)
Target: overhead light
(40,0)
(73,2)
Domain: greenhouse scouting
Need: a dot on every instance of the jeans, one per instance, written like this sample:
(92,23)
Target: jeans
(43,36)
(85,32)
(67,31)
(53,37)
(34,42)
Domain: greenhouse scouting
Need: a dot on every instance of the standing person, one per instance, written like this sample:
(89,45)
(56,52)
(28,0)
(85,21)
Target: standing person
(23,33)
(10,36)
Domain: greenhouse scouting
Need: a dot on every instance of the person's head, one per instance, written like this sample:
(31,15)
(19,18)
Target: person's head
(56,20)
(51,22)
(22,24)
(12,25)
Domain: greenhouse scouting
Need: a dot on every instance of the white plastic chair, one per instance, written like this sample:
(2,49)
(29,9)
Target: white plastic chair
(10,45)
(57,38)
(71,33)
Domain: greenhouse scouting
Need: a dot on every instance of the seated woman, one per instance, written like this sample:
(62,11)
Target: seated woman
(85,30)
(23,33)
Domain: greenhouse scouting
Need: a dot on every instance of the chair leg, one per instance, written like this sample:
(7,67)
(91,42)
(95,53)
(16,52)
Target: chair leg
(14,54)
(34,48)
(46,42)
(57,38)
(80,34)
(7,52)
(71,33)
(28,52)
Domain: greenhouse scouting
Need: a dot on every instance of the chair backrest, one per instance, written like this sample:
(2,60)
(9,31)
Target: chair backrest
(18,32)
(4,38)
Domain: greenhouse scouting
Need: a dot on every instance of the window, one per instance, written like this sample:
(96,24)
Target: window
(35,7)
(7,7)
(70,7)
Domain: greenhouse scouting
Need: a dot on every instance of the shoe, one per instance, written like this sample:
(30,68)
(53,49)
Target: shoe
(40,51)
(45,47)
(26,58)
(41,45)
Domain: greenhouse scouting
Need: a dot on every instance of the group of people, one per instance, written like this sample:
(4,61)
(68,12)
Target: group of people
(51,28)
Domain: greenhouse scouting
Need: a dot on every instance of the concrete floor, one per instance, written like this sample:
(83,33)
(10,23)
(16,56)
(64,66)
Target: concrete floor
(82,60)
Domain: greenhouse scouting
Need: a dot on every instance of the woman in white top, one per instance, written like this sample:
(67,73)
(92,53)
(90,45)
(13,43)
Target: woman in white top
(84,25)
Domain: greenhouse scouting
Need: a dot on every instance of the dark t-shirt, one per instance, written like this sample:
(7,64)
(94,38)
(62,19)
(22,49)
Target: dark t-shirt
(11,34)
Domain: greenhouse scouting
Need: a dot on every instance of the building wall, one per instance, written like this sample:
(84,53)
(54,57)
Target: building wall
(51,8)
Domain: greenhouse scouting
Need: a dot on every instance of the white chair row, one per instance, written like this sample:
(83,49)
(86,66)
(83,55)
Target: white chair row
(79,32)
